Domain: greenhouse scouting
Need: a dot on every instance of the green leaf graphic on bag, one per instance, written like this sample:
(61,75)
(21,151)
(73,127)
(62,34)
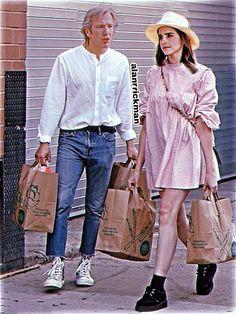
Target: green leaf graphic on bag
(144,248)
(21,216)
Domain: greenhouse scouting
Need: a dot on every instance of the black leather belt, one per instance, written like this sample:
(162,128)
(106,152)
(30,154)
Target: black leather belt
(98,129)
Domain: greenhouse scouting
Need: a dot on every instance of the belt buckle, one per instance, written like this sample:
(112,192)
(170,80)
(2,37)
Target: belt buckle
(99,130)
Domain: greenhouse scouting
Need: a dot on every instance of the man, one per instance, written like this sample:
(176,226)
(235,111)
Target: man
(89,98)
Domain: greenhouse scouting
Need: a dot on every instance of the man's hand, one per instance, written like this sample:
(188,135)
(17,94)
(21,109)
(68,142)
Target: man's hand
(132,152)
(43,154)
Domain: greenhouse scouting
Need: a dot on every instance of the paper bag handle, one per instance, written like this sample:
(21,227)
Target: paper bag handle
(214,198)
(135,192)
(130,164)
(218,203)
(138,192)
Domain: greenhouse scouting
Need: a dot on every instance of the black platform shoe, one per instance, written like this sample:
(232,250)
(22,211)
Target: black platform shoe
(152,300)
(205,274)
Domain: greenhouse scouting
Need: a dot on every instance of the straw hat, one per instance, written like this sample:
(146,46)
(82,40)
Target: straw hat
(175,20)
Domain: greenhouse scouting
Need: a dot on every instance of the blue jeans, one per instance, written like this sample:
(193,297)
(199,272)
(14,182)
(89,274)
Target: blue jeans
(79,150)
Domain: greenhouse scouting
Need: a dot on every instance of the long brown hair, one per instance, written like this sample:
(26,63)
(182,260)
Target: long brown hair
(188,58)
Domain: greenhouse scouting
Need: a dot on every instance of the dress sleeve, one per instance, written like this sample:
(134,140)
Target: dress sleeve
(207,100)
(144,101)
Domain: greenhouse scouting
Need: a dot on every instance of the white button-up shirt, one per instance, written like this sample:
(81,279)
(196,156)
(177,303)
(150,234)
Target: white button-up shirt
(84,91)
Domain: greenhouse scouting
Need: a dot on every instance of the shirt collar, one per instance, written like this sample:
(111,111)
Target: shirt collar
(92,56)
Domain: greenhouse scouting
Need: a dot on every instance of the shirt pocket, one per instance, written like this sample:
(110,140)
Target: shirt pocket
(111,86)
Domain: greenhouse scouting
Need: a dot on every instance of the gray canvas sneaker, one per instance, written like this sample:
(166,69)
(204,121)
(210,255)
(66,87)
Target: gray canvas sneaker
(83,273)
(55,278)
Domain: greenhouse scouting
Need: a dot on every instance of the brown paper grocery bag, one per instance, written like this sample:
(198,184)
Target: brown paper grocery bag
(211,231)
(36,199)
(121,172)
(126,229)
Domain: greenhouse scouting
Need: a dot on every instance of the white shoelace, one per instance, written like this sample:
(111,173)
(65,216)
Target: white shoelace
(84,268)
(56,271)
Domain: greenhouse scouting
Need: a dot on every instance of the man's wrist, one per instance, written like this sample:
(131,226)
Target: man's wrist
(44,139)
(41,142)
(130,144)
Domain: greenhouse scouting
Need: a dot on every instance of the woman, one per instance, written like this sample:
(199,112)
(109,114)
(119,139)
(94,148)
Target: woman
(176,142)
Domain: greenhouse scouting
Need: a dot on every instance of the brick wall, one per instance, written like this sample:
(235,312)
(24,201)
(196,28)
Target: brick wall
(12,47)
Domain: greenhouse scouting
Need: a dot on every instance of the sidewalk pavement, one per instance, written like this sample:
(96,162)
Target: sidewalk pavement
(118,283)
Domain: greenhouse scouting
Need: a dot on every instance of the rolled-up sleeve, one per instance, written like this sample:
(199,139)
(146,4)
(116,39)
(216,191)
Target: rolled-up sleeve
(207,100)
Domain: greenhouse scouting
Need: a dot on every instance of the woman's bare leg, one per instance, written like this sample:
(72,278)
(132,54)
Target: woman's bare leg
(182,225)
(171,203)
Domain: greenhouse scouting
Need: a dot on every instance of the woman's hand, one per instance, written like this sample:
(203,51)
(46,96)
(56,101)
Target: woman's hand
(134,180)
(210,182)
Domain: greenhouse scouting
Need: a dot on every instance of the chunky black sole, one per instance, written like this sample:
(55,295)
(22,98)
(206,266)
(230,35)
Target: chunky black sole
(205,292)
(141,308)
